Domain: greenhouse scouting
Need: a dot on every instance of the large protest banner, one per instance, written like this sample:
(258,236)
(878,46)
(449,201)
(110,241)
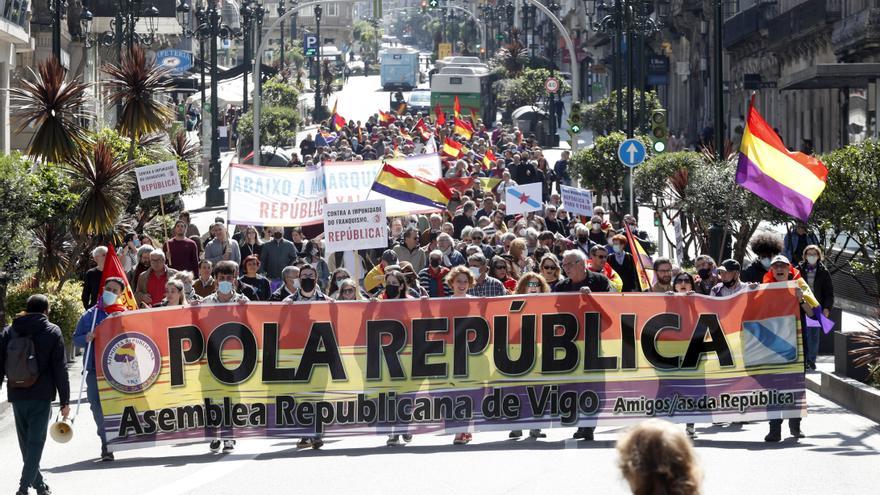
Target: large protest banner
(344,368)
(348,182)
(275,196)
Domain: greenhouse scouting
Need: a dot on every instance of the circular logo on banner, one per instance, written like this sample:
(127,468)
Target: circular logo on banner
(551,85)
(131,362)
(172,62)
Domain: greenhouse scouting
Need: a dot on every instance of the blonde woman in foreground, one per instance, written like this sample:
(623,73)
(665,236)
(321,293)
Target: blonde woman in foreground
(657,458)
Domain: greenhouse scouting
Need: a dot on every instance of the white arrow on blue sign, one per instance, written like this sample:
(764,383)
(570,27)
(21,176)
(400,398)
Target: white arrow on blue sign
(631,152)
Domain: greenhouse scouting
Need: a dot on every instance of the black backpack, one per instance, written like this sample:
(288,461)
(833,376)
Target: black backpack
(22,368)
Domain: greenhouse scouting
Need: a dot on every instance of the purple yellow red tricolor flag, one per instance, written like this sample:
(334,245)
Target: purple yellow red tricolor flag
(788,180)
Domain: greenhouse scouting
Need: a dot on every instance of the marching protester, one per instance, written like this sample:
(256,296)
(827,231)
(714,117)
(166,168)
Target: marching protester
(433,278)
(205,285)
(623,263)
(782,271)
(174,294)
(83,337)
(797,241)
(32,388)
(221,247)
(92,279)
(182,253)
(151,283)
(765,246)
(707,274)
(290,279)
(818,278)
(254,279)
(277,254)
(579,279)
(308,286)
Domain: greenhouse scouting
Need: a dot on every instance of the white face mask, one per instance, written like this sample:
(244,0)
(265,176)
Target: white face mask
(475,271)
(812,259)
(765,262)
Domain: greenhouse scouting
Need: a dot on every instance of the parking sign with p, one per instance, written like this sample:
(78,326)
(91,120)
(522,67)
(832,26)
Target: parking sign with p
(310,45)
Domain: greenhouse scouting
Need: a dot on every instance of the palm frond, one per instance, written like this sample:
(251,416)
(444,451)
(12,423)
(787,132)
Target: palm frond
(104,183)
(869,353)
(183,148)
(54,246)
(137,85)
(54,106)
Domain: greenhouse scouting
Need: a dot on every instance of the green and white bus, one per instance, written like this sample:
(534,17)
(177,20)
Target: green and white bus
(471,82)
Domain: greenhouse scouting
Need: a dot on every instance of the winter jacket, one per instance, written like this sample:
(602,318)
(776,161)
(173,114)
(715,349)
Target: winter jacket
(49,349)
(434,281)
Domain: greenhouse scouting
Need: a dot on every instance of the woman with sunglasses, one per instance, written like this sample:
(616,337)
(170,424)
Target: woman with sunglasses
(549,267)
(337,276)
(531,283)
(683,283)
(500,269)
(348,290)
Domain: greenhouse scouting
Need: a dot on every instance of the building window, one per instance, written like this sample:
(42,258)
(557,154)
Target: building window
(332,10)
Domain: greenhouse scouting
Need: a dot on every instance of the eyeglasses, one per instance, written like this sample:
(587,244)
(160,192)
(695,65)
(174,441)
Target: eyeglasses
(307,276)
(534,284)
(348,291)
(501,267)
(549,267)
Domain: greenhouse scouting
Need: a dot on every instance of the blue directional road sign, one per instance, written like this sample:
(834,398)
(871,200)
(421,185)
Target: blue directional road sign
(631,152)
(310,45)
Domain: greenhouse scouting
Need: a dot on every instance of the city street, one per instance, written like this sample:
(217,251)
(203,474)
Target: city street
(842,450)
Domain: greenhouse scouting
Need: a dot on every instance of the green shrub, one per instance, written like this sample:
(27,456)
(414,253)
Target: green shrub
(65,306)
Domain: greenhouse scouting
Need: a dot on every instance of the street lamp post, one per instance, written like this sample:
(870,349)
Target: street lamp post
(55,8)
(318,112)
(281,11)
(185,19)
(246,13)
(210,28)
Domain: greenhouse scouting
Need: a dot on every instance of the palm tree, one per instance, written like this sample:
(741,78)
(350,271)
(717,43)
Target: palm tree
(138,85)
(186,150)
(54,107)
(104,184)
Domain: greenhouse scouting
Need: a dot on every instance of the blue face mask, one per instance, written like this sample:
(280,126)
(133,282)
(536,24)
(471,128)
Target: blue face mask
(109,298)
(137,242)
(224,287)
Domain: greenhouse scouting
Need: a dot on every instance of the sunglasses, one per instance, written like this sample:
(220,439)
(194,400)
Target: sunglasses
(348,291)
(549,267)
(501,267)
(534,284)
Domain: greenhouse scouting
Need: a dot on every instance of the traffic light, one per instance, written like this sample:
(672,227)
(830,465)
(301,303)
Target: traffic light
(424,7)
(659,130)
(574,119)
(656,219)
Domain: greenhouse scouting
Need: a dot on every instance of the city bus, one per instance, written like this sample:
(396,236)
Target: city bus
(399,68)
(473,86)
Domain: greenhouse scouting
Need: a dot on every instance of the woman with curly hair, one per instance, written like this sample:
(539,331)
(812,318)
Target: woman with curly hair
(765,245)
(656,458)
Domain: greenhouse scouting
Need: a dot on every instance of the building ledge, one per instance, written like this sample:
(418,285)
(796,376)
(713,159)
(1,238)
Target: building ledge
(13,33)
(827,76)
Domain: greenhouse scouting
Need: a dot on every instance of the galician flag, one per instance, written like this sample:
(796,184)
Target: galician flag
(524,198)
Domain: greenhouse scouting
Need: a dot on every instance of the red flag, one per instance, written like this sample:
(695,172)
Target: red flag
(452,148)
(386,118)
(456,107)
(441,117)
(473,115)
(641,258)
(113,268)
(338,121)
(423,129)
(460,184)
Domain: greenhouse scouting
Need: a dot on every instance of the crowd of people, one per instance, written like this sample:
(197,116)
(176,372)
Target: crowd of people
(471,249)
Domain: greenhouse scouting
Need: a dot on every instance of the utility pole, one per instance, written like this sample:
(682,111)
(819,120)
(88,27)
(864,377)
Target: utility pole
(719,84)
(319,112)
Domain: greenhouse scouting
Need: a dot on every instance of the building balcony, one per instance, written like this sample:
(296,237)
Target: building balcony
(804,19)
(857,35)
(747,24)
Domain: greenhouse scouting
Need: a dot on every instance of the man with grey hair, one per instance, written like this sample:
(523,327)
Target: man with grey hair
(151,283)
(435,222)
(433,278)
(579,279)
(290,283)
(485,285)
(476,237)
(451,257)
(92,279)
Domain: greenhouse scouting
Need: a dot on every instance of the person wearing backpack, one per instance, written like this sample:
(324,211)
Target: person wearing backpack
(33,363)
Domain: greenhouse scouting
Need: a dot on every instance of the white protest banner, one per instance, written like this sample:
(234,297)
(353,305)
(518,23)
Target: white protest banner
(156,180)
(523,198)
(577,201)
(353,226)
(351,181)
(275,196)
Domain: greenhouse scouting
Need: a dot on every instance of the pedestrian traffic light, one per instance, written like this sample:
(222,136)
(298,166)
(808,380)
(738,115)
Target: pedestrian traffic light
(659,130)
(656,219)
(433,4)
(574,119)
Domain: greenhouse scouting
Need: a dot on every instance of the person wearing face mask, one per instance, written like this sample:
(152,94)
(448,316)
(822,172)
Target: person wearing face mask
(819,280)
(707,274)
(729,272)
(582,239)
(290,279)
(83,337)
(598,234)
(623,263)
(308,286)
(484,285)
(451,257)
(376,277)
(795,242)
(275,255)
(312,255)
(433,277)
(765,246)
